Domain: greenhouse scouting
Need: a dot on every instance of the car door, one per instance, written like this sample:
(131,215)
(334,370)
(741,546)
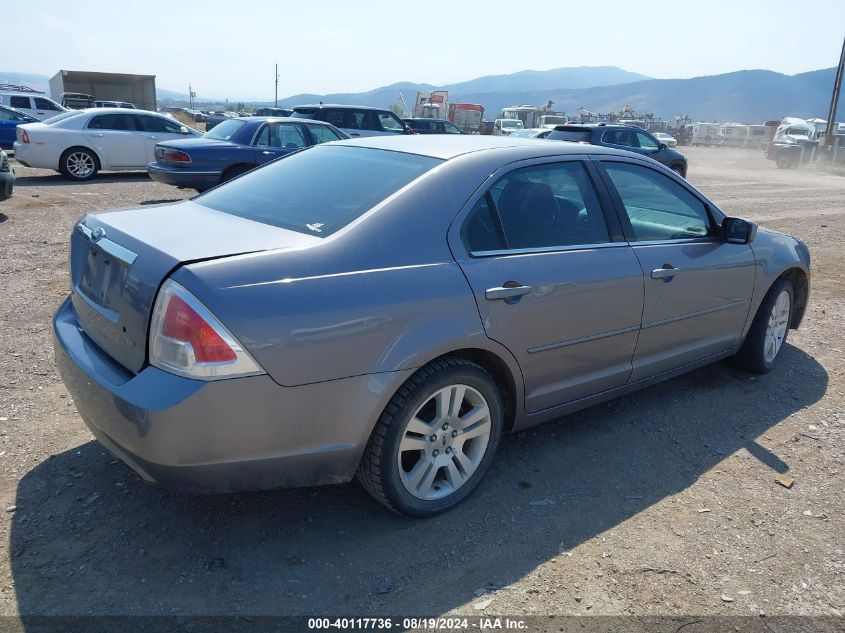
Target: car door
(45,108)
(277,139)
(158,129)
(697,287)
(549,283)
(118,140)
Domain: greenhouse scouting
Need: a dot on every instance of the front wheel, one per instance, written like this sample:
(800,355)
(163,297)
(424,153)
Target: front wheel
(768,331)
(435,440)
(784,162)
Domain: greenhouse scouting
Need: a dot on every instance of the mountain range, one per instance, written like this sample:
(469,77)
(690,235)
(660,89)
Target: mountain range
(746,95)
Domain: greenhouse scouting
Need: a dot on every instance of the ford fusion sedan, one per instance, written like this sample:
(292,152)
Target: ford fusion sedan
(81,143)
(234,147)
(390,307)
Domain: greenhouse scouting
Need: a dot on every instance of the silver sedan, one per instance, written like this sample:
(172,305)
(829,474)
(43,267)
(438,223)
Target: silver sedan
(389,307)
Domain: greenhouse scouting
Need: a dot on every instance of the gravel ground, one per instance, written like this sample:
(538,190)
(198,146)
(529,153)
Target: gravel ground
(659,503)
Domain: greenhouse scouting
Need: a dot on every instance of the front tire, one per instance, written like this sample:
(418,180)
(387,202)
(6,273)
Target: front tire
(78,163)
(767,335)
(435,440)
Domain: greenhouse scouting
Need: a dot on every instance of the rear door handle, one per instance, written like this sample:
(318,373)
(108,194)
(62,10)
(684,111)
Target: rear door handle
(506,292)
(99,135)
(665,272)
(266,153)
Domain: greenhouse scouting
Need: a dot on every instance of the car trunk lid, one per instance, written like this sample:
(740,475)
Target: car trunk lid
(120,258)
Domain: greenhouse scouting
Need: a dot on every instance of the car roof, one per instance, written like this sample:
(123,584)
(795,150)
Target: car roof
(318,106)
(423,118)
(453,145)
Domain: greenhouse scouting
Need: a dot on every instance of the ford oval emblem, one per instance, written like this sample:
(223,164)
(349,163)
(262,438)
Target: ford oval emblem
(98,233)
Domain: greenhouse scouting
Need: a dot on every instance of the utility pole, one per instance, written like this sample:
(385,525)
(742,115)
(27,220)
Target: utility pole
(837,88)
(276,102)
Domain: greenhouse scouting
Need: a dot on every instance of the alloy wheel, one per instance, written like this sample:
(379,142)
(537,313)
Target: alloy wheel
(80,164)
(777,326)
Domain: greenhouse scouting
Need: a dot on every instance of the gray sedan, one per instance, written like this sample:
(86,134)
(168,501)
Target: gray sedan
(390,306)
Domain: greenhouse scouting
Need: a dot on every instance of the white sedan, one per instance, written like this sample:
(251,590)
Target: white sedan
(667,139)
(82,142)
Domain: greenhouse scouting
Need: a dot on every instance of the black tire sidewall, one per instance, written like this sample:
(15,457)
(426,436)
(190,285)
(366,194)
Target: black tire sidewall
(758,334)
(394,489)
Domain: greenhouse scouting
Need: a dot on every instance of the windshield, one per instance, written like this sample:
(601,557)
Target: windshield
(511,123)
(225,130)
(320,190)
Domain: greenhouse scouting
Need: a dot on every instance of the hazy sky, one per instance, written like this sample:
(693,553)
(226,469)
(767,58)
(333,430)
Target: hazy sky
(227,48)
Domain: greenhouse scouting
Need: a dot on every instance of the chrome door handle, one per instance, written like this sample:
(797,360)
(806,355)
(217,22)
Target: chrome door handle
(99,135)
(664,273)
(152,138)
(505,292)
(266,153)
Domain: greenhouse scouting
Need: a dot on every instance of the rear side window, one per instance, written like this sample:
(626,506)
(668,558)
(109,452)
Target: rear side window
(619,137)
(19,102)
(657,207)
(544,206)
(318,191)
(578,136)
(121,122)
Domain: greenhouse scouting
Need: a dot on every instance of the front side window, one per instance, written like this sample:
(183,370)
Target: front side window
(646,142)
(287,135)
(46,104)
(160,124)
(657,207)
(120,122)
(319,191)
(390,123)
(322,133)
(544,206)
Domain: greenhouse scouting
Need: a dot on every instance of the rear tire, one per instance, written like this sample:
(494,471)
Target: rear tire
(79,163)
(458,404)
(767,335)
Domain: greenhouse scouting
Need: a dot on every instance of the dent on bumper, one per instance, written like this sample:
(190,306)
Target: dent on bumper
(220,436)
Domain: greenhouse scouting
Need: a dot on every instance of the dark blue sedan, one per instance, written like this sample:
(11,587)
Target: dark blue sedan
(234,147)
(10,119)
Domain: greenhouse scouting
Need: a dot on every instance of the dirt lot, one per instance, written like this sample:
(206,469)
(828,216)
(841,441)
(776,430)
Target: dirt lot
(662,502)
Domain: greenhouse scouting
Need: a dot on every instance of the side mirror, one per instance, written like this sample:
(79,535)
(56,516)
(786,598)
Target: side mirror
(738,231)
(408,130)
(661,146)
(184,130)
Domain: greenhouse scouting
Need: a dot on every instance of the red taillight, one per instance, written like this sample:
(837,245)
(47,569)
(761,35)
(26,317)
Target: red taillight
(24,137)
(183,324)
(175,156)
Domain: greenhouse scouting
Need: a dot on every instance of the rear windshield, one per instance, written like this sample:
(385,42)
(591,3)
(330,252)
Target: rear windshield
(61,117)
(570,135)
(319,190)
(225,130)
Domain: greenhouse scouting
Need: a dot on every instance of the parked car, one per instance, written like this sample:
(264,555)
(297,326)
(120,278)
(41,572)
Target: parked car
(627,137)
(354,120)
(273,112)
(432,126)
(10,119)
(7,177)
(29,101)
(234,147)
(531,132)
(666,139)
(77,100)
(80,143)
(114,104)
(216,118)
(391,306)
(503,127)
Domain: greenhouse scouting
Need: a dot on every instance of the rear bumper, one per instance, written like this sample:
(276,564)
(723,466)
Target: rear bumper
(219,436)
(183,176)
